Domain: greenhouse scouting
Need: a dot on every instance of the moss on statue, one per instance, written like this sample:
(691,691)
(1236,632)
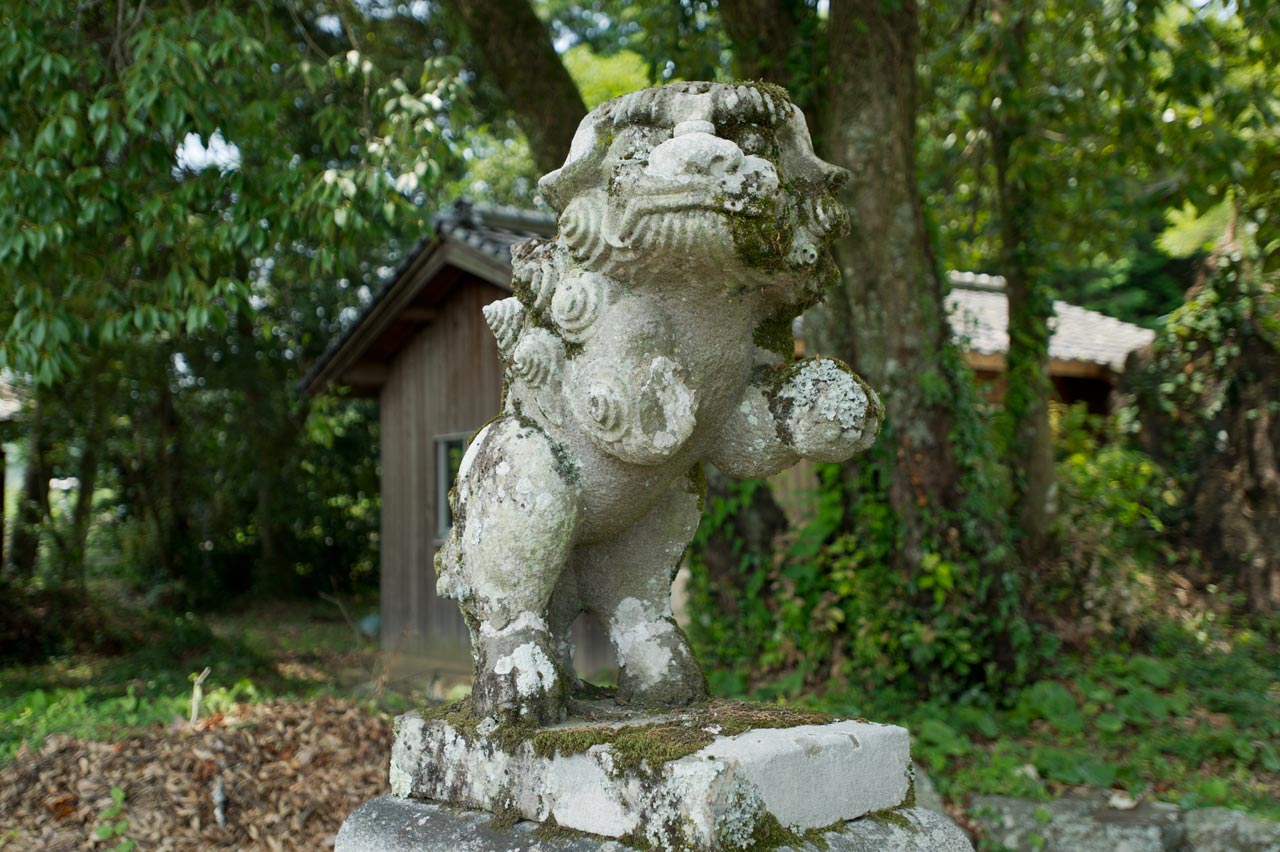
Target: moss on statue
(638,746)
(762,241)
(894,817)
(769,834)
(641,745)
(552,831)
(645,747)
(774,334)
(505,819)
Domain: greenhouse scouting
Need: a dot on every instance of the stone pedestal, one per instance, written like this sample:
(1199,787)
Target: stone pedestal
(391,824)
(727,776)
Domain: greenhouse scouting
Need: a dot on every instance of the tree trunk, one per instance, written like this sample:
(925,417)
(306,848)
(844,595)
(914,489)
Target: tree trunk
(764,34)
(517,53)
(82,514)
(1028,438)
(33,504)
(1236,502)
(886,317)
(170,506)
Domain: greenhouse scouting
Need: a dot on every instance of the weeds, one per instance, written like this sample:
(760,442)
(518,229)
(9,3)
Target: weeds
(1196,723)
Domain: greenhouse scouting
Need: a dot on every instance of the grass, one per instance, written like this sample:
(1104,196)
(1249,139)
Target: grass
(256,652)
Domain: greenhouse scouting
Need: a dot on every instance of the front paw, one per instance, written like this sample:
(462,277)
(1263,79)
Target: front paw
(824,411)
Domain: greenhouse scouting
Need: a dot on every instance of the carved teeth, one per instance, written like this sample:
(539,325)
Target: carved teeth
(804,254)
(505,319)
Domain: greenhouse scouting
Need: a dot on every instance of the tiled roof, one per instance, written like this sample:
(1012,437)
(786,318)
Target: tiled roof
(979,312)
(493,229)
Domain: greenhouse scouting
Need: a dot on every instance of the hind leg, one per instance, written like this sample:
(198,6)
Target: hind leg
(516,510)
(564,608)
(626,582)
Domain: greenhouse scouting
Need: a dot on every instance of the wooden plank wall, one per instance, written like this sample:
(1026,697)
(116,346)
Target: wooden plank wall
(448,380)
(795,490)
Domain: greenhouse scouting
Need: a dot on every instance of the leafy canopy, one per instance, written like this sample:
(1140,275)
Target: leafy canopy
(115,223)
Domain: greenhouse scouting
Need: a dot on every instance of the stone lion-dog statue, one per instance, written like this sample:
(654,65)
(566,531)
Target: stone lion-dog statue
(650,335)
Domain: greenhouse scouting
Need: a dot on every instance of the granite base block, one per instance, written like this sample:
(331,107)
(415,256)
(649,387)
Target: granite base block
(805,777)
(392,824)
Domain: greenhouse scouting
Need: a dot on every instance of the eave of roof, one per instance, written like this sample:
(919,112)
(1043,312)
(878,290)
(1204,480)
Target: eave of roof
(471,237)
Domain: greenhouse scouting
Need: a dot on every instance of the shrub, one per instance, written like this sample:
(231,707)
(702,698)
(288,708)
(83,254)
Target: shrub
(1114,500)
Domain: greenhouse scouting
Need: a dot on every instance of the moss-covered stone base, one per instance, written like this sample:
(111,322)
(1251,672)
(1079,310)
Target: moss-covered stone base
(717,776)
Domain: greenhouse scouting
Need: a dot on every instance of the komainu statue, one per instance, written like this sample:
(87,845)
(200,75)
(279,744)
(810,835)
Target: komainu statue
(652,334)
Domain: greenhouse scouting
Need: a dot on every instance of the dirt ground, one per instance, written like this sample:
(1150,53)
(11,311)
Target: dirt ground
(279,775)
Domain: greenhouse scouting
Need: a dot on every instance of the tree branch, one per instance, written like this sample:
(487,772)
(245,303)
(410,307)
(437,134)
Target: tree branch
(518,56)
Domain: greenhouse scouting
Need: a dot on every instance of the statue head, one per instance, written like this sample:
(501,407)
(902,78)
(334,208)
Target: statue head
(708,175)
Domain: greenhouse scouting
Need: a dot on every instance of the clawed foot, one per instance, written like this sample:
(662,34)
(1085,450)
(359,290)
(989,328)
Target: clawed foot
(656,667)
(825,412)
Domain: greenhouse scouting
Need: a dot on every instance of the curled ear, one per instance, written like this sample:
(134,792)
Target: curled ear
(563,185)
(581,169)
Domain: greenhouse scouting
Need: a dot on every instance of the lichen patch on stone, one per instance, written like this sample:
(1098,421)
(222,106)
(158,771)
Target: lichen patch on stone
(534,671)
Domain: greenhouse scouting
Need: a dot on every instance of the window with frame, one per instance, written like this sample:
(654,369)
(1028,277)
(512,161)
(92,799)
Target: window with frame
(449,452)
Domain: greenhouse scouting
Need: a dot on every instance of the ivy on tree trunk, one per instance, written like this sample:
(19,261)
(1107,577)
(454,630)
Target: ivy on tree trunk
(33,504)
(1209,394)
(1028,438)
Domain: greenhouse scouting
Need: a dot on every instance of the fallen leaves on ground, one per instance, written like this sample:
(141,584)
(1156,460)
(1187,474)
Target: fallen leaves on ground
(278,775)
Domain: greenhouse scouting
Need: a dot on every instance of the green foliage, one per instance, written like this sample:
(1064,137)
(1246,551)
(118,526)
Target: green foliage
(87,712)
(1115,500)
(1141,286)
(1200,359)
(112,826)
(499,167)
(602,78)
(269,649)
(747,631)
(166,303)
(1190,721)
(98,696)
(831,606)
(1191,232)
(1064,88)
(676,41)
(116,230)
